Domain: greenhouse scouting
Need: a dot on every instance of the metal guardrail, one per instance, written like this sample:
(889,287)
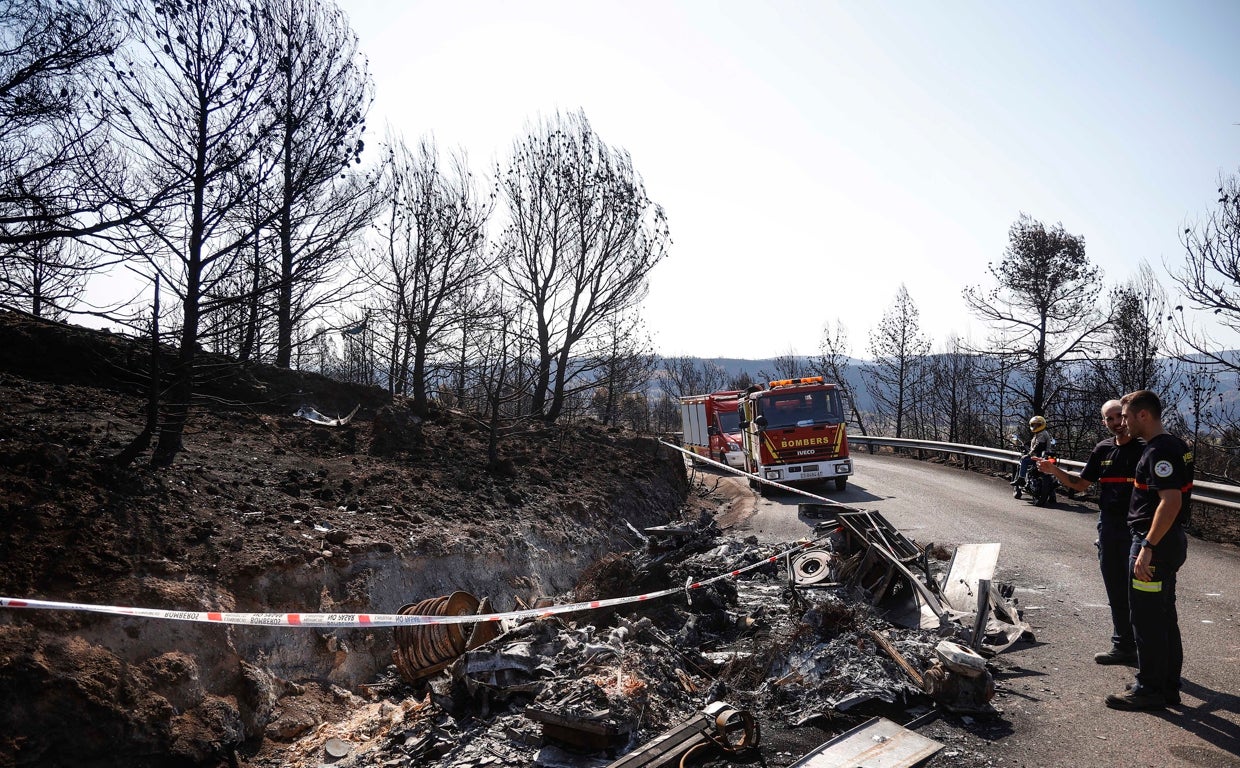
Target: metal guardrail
(1218,494)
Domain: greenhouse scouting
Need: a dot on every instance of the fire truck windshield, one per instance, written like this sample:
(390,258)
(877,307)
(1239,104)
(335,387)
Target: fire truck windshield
(730,422)
(801,409)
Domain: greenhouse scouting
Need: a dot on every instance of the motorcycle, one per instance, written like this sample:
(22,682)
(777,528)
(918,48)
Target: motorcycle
(1040,486)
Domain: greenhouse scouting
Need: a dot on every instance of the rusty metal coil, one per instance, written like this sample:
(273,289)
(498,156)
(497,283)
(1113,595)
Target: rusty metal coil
(423,650)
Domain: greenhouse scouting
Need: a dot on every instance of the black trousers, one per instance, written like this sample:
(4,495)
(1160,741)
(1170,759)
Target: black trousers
(1114,546)
(1155,625)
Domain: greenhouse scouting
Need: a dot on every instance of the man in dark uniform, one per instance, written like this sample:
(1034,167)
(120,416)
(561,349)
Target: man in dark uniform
(1162,487)
(1111,464)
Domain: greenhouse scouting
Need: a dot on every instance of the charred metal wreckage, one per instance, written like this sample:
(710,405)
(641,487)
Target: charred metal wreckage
(854,624)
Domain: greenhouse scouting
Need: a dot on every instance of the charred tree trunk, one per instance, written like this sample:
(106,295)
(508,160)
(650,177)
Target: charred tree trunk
(250,340)
(143,440)
(421,403)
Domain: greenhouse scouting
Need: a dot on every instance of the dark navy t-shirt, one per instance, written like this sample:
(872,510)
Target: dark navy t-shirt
(1113,467)
(1166,464)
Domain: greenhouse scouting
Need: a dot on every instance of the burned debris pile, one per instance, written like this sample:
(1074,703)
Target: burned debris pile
(825,634)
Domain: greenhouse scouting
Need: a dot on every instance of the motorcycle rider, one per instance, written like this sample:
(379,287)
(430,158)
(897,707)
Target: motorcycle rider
(1039,445)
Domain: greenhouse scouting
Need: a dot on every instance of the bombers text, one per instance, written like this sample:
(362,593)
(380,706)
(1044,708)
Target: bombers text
(808,441)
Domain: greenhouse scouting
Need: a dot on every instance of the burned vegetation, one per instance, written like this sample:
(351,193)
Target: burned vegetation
(752,654)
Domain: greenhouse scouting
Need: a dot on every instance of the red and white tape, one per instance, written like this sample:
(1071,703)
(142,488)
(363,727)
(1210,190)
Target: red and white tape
(377,619)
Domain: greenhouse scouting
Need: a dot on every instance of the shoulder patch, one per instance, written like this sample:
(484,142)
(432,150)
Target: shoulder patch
(1163,469)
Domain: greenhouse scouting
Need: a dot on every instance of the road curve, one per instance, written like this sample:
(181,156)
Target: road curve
(1050,692)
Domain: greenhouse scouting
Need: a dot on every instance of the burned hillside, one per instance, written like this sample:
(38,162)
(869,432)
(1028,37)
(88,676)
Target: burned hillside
(263,511)
(268,513)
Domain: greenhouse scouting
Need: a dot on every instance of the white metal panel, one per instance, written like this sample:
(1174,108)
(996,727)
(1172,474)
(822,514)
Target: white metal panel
(970,563)
(879,743)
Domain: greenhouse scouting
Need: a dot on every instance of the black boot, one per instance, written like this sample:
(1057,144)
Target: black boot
(1136,701)
(1116,656)
(1172,698)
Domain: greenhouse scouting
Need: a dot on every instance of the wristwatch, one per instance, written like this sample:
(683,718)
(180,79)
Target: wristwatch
(1147,543)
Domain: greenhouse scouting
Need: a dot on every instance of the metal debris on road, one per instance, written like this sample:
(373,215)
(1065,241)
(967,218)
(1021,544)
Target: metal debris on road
(878,743)
(854,624)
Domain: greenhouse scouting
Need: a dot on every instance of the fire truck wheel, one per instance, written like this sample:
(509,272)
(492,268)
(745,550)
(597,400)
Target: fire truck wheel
(840,483)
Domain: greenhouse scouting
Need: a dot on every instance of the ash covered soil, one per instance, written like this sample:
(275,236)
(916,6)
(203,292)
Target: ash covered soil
(267,512)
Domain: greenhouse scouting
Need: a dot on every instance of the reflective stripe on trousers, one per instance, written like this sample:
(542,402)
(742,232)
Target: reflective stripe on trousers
(1155,625)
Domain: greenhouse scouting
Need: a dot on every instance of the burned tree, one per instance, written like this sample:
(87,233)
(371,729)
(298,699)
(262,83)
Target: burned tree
(834,364)
(955,400)
(1042,309)
(189,93)
(58,177)
(1136,340)
(786,366)
(899,353)
(683,376)
(432,235)
(495,380)
(45,277)
(321,94)
(580,240)
(623,368)
(1210,278)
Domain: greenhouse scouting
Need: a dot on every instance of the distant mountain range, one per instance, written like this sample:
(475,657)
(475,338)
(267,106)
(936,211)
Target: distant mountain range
(733,367)
(1228,383)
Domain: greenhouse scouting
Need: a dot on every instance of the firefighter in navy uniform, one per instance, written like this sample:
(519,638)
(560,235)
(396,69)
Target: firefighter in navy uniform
(1162,487)
(1111,464)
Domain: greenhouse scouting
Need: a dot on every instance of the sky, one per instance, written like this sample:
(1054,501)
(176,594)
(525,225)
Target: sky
(811,157)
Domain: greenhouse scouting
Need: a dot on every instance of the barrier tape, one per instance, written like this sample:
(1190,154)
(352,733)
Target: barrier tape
(381,619)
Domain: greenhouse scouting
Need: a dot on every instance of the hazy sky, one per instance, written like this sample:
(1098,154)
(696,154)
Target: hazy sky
(812,156)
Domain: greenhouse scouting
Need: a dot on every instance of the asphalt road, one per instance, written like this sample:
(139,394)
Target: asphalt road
(1050,692)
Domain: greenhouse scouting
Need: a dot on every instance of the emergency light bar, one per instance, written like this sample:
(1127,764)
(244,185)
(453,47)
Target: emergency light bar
(790,382)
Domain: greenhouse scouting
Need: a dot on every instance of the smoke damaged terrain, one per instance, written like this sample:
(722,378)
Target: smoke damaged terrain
(268,512)
(264,511)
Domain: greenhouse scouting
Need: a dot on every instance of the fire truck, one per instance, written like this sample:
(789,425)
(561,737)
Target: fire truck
(793,432)
(711,425)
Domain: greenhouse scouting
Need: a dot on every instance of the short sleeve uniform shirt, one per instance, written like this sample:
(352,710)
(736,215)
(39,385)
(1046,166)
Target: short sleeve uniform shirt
(1113,468)
(1166,464)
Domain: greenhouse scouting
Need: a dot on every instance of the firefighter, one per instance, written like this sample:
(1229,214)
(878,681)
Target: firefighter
(1161,489)
(1112,465)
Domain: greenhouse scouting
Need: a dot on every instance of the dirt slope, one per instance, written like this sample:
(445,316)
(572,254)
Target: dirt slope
(263,512)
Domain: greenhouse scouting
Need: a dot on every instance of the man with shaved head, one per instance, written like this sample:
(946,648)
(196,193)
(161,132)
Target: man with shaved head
(1111,464)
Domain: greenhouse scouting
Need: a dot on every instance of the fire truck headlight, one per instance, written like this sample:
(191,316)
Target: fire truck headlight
(733,447)
(843,468)
(773,474)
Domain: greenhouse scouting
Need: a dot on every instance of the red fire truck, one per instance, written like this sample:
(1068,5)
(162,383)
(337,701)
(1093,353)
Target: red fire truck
(793,432)
(711,425)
